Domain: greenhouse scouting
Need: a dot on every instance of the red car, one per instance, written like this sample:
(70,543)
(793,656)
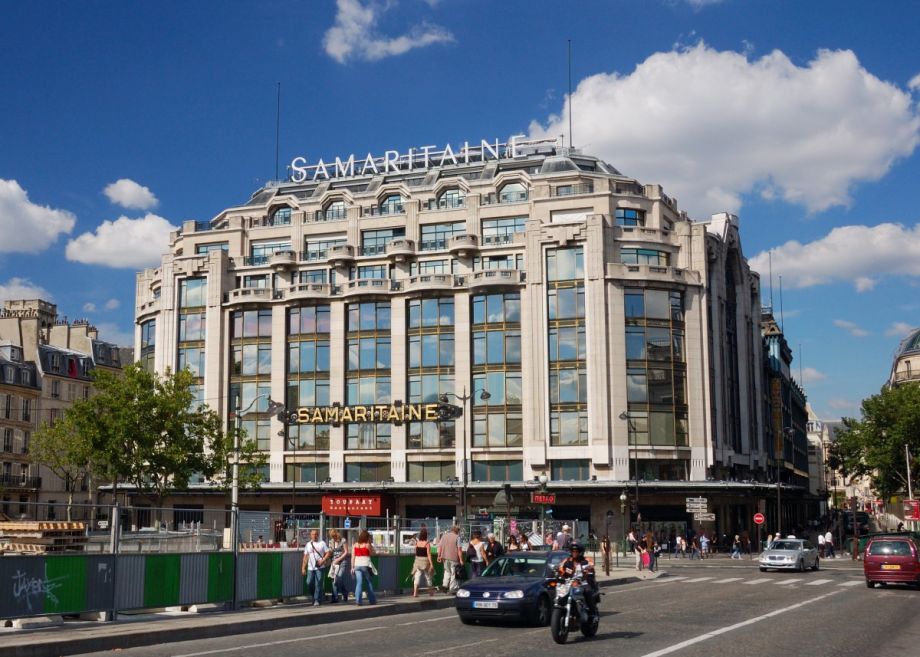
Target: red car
(891,559)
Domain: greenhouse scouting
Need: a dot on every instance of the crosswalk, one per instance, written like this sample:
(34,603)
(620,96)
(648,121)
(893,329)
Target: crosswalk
(793,582)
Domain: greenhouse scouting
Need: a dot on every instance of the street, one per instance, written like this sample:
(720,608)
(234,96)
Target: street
(701,608)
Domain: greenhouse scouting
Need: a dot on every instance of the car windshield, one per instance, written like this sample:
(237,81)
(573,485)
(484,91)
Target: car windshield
(786,545)
(896,548)
(529,566)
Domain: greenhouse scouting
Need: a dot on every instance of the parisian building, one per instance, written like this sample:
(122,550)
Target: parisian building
(598,341)
(46,362)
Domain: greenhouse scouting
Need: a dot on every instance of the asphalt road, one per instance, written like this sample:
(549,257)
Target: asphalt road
(700,609)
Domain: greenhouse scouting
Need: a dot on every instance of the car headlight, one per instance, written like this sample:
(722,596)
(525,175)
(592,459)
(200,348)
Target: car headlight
(563,589)
(463,593)
(513,595)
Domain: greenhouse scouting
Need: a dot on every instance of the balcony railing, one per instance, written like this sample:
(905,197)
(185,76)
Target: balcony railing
(446,204)
(255,261)
(329,215)
(504,197)
(18,481)
(496,239)
(433,244)
(384,210)
(905,375)
(572,190)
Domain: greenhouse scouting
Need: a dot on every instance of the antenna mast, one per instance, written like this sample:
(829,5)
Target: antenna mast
(277,129)
(571,144)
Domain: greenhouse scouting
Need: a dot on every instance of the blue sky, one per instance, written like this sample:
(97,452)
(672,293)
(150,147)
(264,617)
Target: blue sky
(120,120)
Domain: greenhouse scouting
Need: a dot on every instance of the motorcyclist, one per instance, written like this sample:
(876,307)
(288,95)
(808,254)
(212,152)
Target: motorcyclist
(576,564)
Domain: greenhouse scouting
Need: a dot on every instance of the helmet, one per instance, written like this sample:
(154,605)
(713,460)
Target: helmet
(577,546)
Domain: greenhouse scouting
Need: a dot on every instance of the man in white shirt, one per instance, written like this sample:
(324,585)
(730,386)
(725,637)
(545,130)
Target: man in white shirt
(821,544)
(829,545)
(315,558)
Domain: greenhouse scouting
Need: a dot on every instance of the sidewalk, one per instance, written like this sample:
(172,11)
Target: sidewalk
(133,630)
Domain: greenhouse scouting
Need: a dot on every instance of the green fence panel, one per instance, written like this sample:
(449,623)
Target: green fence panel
(161,580)
(268,578)
(66,588)
(220,577)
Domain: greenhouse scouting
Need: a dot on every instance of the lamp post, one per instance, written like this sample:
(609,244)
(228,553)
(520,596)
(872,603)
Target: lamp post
(623,521)
(543,479)
(625,416)
(787,431)
(464,399)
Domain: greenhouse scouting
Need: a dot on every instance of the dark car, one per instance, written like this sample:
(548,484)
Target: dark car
(891,559)
(515,586)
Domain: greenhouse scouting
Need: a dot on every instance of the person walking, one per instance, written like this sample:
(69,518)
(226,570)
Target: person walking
(361,567)
(340,560)
(633,546)
(822,543)
(563,539)
(316,555)
(493,548)
(704,546)
(450,555)
(829,545)
(736,547)
(422,567)
(476,553)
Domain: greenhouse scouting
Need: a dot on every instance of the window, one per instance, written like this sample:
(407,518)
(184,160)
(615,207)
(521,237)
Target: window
(565,264)
(192,358)
(8,440)
(55,389)
(308,437)
(368,436)
(570,470)
(316,249)
(507,261)
(392,204)
(431,471)
(260,252)
(568,427)
(432,267)
(630,217)
(512,193)
(314,276)
(312,472)
(192,327)
(192,292)
(379,272)
(280,217)
(374,242)
(261,281)
(451,199)
(26,410)
(204,249)
(498,470)
(645,257)
(26,441)
(501,231)
(308,319)
(333,211)
(436,236)
(367,471)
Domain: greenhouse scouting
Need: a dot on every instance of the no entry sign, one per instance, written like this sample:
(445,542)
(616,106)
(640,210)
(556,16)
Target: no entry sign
(758,519)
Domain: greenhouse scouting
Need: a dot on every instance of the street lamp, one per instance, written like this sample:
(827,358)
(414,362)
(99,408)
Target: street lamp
(543,479)
(464,399)
(623,522)
(787,431)
(625,416)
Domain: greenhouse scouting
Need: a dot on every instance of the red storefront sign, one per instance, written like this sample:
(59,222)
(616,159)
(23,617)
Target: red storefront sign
(911,510)
(356,504)
(543,498)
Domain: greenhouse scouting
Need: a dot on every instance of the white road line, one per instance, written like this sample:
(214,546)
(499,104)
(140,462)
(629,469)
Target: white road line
(757,581)
(462,646)
(430,620)
(675,579)
(850,584)
(727,580)
(729,628)
(279,643)
(784,582)
(698,579)
(819,582)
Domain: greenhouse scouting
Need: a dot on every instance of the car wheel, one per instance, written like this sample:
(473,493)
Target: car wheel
(870,584)
(762,569)
(544,612)
(466,620)
(801,566)
(817,565)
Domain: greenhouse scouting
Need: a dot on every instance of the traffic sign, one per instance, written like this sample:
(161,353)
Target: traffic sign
(697,500)
(347,523)
(759,519)
(704,517)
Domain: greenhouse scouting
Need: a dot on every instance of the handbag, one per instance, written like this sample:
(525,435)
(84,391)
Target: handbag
(372,568)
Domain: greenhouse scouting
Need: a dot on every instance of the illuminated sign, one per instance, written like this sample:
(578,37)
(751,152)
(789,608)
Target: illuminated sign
(418,158)
(355,504)
(543,498)
(372,413)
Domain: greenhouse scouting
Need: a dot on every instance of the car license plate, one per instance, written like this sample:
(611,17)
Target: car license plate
(891,566)
(483,604)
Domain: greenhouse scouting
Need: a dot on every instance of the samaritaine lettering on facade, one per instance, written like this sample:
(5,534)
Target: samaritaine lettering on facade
(374,413)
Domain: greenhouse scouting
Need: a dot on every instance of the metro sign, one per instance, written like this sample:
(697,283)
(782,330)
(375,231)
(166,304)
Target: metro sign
(543,498)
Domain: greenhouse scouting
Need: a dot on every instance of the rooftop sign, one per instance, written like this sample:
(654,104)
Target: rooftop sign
(419,158)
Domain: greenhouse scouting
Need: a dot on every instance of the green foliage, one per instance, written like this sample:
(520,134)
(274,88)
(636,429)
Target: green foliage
(874,445)
(65,452)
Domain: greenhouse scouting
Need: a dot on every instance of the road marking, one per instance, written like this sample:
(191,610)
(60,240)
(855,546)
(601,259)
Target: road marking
(850,584)
(784,582)
(676,579)
(729,628)
(282,642)
(462,646)
(819,582)
(727,580)
(698,579)
(430,620)
(758,581)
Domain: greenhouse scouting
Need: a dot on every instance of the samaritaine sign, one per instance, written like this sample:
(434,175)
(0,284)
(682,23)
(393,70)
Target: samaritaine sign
(372,413)
(418,158)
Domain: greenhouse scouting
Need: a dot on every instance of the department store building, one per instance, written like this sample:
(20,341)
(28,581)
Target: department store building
(598,340)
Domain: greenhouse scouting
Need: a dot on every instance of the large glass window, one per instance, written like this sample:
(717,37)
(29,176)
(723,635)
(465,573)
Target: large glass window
(308,370)
(316,249)
(370,472)
(192,292)
(374,242)
(645,257)
(436,236)
(430,338)
(392,204)
(333,211)
(450,199)
(512,193)
(570,470)
(260,252)
(280,217)
(431,471)
(511,470)
(630,217)
(501,231)
(367,378)
(306,472)
(148,344)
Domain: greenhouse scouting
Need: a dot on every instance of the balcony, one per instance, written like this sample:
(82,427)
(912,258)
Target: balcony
(446,204)
(329,215)
(574,190)
(504,197)
(341,255)
(249,295)
(630,272)
(255,261)
(369,286)
(400,249)
(906,375)
(308,291)
(463,245)
(9,481)
(423,282)
(502,239)
(283,259)
(149,307)
(433,244)
(496,277)
(384,210)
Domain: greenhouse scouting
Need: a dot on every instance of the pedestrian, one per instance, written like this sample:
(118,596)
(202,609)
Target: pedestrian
(821,545)
(422,567)
(695,547)
(633,546)
(736,547)
(900,526)
(563,538)
(316,556)
(682,546)
(513,545)
(493,548)
(704,546)
(362,567)
(829,545)
(340,560)
(476,553)
(450,555)
(769,541)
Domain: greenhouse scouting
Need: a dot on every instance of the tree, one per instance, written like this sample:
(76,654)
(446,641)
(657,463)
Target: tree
(146,430)
(65,453)
(874,445)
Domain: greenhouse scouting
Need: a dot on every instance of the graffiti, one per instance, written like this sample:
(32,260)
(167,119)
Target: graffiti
(26,588)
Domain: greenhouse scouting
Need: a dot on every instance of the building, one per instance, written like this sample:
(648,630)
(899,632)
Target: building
(50,361)
(818,469)
(906,364)
(593,335)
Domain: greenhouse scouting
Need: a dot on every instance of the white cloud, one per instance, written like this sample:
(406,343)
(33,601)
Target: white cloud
(699,4)
(852,328)
(713,126)
(22,288)
(914,84)
(25,226)
(811,375)
(124,243)
(899,329)
(129,194)
(855,254)
(89,307)
(355,37)
(112,304)
(110,332)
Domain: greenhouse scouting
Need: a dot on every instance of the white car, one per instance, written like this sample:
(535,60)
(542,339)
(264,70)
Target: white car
(790,554)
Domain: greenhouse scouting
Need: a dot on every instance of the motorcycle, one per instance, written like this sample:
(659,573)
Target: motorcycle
(571,611)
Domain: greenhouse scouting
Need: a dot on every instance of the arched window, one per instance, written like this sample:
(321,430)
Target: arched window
(450,199)
(512,193)
(334,210)
(392,204)
(280,217)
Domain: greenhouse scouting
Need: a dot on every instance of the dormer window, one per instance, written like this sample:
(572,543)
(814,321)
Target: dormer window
(280,217)
(512,193)
(451,199)
(392,204)
(334,210)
